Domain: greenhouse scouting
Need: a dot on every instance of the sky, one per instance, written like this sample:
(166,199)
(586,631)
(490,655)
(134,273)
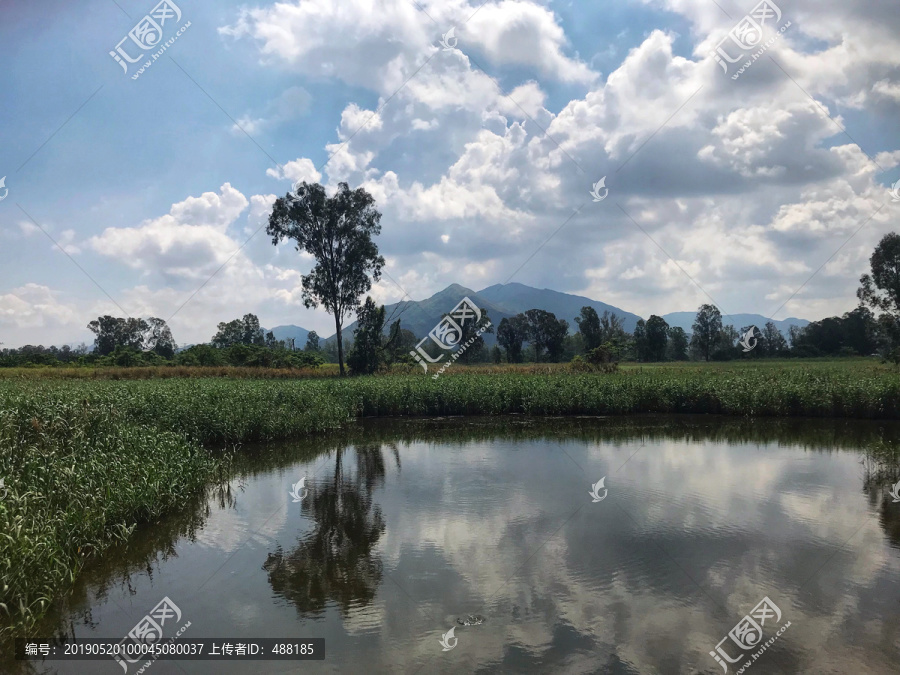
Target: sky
(146,193)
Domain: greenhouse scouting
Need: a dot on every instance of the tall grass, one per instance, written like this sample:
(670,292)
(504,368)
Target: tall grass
(78,478)
(84,461)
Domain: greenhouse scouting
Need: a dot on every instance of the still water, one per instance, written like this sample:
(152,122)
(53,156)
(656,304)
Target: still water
(407,526)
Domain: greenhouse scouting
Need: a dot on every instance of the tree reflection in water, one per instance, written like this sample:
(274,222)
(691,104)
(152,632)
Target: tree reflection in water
(335,562)
(881,471)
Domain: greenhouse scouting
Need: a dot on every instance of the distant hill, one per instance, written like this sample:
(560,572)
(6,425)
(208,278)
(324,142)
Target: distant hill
(686,320)
(517,298)
(290,331)
(420,316)
(501,301)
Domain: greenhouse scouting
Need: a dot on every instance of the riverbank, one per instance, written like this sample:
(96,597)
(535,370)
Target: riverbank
(84,461)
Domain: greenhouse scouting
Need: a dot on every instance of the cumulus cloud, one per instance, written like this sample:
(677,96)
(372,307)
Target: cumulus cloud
(382,45)
(748,187)
(186,244)
(34,306)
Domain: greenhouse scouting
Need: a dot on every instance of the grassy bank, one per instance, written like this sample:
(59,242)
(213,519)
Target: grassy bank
(85,460)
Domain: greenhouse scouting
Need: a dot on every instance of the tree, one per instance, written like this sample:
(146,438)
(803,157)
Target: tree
(337,231)
(399,344)
(726,344)
(158,338)
(860,331)
(231,333)
(640,341)
(678,344)
(115,332)
(545,331)
(773,342)
(706,329)
(252,333)
(365,356)
(312,342)
(470,332)
(657,337)
(245,331)
(857,332)
(589,327)
(556,332)
(881,288)
(200,355)
(612,332)
(511,333)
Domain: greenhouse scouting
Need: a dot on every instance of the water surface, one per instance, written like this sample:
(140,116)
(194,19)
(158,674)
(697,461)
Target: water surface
(409,525)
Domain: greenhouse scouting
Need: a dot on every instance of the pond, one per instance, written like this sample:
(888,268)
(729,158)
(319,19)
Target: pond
(773,542)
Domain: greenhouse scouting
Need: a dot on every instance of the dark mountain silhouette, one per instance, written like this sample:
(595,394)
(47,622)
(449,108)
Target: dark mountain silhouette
(501,301)
(686,320)
(517,298)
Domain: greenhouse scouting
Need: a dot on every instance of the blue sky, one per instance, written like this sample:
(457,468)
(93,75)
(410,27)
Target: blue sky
(736,190)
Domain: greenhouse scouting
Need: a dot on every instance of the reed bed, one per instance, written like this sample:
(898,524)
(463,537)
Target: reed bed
(86,460)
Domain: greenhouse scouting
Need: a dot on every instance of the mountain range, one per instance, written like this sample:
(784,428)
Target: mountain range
(506,300)
(501,301)
(686,320)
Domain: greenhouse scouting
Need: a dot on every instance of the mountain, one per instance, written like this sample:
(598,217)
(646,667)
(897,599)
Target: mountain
(420,316)
(686,320)
(517,298)
(290,331)
(501,301)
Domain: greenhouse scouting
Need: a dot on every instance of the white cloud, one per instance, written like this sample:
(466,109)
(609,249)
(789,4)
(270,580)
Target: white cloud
(34,306)
(297,170)
(187,244)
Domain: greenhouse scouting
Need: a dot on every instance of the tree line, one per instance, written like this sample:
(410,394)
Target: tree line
(338,232)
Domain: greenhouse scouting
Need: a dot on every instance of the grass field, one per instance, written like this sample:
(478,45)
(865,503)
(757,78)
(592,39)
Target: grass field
(85,459)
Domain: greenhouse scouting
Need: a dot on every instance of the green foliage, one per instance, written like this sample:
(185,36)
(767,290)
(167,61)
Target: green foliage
(366,355)
(511,333)
(312,342)
(707,331)
(772,342)
(85,461)
(546,332)
(589,327)
(337,231)
(136,334)
(113,332)
(472,339)
(245,331)
(881,288)
(678,344)
(602,358)
(158,338)
(201,355)
(657,338)
(857,332)
(399,345)
(639,341)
